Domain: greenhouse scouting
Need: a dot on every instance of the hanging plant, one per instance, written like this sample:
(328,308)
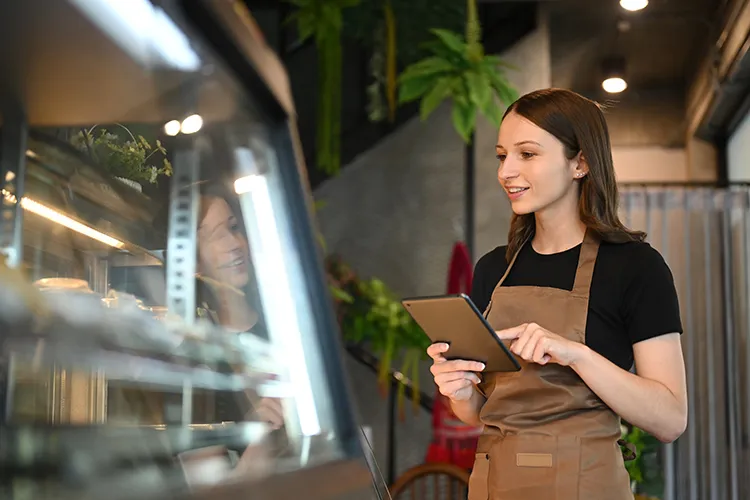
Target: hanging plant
(369,314)
(459,69)
(322,20)
(375,23)
(133,159)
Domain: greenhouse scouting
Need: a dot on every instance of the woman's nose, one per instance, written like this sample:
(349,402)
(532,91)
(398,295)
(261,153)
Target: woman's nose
(507,170)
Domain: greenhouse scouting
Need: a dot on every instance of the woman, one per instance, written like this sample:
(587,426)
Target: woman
(228,295)
(578,298)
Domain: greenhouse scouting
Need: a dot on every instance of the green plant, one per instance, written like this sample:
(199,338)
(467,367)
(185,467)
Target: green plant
(370,314)
(459,69)
(644,471)
(132,159)
(396,32)
(322,20)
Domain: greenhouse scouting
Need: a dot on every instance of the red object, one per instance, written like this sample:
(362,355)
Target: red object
(452,440)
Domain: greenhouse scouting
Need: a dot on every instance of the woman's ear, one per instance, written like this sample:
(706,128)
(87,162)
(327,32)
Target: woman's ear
(581,166)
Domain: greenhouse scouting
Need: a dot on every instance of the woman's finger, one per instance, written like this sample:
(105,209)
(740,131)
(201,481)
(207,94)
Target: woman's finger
(520,342)
(540,352)
(446,378)
(534,338)
(457,365)
(435,351)
(511,333)
(451,388)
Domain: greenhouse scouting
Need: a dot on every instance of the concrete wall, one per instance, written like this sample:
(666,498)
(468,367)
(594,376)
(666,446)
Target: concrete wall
(738,153)
(393,214)
(650,164)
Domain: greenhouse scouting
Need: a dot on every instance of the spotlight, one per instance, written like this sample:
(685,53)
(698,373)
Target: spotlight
(614,75)
(191,124)
(172,128)
(633,5)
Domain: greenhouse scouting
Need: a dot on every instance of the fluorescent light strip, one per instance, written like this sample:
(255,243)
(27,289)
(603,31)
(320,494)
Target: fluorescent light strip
(55,216)
(143,30)
(272,274)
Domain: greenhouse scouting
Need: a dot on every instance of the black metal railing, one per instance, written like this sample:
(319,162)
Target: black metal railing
(366,358)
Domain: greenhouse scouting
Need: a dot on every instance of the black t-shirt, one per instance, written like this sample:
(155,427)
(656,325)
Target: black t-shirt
(632,297)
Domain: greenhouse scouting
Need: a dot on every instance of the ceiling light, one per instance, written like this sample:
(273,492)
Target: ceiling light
(191,124)
(633,5)
(613,75)
(144,31)
(614,85)
(172,128)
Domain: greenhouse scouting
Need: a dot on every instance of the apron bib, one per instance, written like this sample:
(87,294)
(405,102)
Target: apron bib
(547,436)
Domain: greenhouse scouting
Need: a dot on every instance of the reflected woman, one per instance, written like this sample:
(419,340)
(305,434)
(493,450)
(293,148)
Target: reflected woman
(228,294)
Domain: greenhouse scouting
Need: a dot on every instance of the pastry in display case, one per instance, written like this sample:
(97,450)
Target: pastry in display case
(165,326)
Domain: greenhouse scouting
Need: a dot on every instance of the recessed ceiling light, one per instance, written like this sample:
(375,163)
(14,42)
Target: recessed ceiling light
(614,85)
(633,5)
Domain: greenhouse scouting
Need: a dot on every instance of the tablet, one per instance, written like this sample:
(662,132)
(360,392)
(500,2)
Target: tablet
(455,320)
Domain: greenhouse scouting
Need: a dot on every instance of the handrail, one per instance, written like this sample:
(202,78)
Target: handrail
(366,358)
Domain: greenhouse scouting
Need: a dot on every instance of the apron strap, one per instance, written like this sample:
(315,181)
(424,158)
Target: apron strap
(586,262)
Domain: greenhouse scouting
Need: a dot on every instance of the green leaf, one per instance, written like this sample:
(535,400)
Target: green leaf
(493,112)
(496,62)
(480,88)
(426,67)
(434,97)
(414,88)
(464,119)
(502,87)
(451,40)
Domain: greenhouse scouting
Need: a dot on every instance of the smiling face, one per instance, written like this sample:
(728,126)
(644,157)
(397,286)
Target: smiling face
(223,250)
(535,170)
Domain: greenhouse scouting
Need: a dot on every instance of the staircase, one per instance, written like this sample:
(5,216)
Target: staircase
(503,24)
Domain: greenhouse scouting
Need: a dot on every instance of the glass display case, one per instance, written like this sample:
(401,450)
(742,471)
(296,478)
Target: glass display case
(165,323)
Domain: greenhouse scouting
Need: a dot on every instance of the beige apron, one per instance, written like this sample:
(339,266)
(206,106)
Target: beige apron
(547,436)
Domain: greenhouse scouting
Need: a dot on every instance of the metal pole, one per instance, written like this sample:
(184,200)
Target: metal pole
(469,195)
(392,433)
(182,251)
(13,138)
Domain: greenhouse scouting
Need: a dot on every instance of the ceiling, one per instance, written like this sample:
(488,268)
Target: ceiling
(662,44)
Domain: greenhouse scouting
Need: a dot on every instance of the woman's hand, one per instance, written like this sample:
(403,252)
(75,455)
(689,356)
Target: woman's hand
(538,345)
(271,412)
(455,378)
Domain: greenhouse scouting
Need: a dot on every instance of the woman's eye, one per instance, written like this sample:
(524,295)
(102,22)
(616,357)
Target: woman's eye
(527,156)
(500,157)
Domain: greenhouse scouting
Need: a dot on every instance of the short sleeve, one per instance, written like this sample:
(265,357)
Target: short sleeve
(650,306)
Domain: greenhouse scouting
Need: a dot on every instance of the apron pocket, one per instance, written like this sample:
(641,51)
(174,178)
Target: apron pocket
(479,479)
(535,468)
(602,466)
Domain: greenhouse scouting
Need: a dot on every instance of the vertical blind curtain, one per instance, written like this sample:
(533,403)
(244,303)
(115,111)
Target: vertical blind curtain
(704,235)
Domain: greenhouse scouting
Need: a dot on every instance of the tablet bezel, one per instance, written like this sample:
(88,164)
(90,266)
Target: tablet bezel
(474,342)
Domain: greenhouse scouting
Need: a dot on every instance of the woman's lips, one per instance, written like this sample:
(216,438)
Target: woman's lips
(234,264)
(515,192)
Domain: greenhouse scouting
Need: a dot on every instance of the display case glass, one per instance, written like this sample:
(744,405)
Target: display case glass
(165,322)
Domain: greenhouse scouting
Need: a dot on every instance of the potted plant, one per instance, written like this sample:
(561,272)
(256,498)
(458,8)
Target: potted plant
(132,161)
(458,69)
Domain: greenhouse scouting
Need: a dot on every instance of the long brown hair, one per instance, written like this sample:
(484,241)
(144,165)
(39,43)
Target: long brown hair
(580,125)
